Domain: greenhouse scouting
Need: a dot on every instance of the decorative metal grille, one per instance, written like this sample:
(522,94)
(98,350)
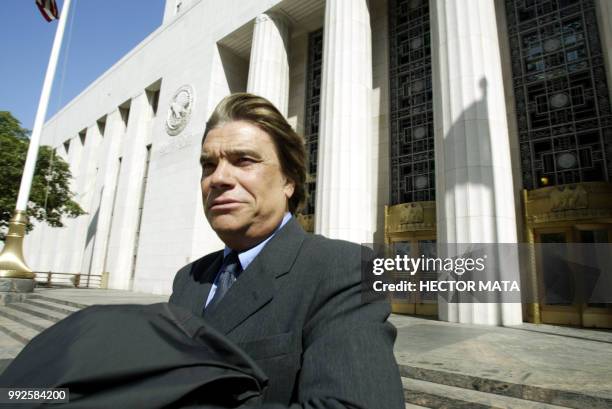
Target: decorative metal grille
(562,100)
(311,118)
(411,126)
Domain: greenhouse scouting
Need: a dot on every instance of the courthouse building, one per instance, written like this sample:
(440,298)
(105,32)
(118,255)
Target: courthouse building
(426,121)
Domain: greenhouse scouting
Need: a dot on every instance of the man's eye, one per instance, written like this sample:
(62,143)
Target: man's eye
(244,161)
(208,166)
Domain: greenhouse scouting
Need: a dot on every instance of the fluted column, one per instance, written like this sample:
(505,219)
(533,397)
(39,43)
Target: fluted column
(603,8)
(269,63)
(343,193)
(474,188)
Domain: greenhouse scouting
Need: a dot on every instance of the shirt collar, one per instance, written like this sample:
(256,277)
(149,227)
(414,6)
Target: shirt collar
(246,257)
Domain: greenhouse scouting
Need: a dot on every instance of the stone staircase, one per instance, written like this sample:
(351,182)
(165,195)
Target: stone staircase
(423,387)
(22,321)
(441,389)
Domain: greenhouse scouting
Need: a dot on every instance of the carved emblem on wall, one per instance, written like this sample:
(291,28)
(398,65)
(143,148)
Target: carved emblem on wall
(179,110)
(411,213)
(568,198)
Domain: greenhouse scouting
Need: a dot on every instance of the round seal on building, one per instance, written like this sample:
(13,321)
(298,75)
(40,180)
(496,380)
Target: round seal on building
(179,110)
(566,160)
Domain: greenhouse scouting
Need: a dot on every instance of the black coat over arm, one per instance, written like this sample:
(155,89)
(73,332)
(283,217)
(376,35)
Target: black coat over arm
(137,357)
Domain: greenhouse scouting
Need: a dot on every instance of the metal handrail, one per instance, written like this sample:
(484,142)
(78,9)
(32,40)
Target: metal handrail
(77,280)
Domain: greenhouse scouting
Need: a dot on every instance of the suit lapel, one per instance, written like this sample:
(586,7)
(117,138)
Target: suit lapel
(256,285)
(203,278)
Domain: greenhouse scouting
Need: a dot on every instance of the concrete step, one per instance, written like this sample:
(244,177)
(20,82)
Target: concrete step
(51,306)
(522,392)
(408,405)
(9,346)
(16,331)
(57,301)
(437,396)
(39,312)
(26,319)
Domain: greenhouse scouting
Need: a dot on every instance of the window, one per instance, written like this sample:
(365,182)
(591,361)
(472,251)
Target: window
(141,201)
(411,108)
(311,118)
(560,85)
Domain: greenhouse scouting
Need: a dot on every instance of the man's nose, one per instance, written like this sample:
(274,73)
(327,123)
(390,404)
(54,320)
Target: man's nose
(222,177)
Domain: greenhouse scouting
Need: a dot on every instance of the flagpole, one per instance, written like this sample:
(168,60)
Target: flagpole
(12,262)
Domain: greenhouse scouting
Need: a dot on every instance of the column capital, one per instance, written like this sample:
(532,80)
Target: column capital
(272,16)
(269,63)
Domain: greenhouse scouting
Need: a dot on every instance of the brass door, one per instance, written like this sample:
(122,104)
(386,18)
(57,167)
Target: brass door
(595,315)
(416,303)
(556,304)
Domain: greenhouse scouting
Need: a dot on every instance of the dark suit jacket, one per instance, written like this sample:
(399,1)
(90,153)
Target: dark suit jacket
(297,311)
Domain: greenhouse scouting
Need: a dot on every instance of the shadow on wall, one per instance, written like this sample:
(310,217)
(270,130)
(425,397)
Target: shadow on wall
(469,189)
(468,176)
(92,231)
(236,69)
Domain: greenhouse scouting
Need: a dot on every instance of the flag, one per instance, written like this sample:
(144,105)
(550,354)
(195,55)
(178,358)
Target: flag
(48,9)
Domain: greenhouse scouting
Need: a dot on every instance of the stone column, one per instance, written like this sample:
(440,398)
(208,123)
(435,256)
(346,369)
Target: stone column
(269,63)
(474,188)
(343,193)
(122,238)
(603,8)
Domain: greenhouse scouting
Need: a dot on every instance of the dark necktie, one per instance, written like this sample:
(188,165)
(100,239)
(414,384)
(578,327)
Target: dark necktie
(228,275)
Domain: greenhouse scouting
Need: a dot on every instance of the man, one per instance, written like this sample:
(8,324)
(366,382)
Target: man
(289,299)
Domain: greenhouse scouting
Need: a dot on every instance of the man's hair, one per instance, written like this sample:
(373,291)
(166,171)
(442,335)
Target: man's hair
(260,112)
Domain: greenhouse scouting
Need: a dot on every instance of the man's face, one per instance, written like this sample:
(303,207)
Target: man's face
(244,191)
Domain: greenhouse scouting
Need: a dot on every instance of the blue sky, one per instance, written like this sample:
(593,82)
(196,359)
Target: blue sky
(102,32)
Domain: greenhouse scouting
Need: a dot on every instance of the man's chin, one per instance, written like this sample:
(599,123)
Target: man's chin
(227,223)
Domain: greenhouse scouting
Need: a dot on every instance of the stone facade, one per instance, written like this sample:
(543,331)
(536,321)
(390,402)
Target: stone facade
(116,129)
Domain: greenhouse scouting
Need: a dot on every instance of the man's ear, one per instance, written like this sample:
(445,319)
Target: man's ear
(289,187)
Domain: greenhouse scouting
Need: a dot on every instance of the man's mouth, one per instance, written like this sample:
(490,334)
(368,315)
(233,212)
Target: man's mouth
(224,204)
